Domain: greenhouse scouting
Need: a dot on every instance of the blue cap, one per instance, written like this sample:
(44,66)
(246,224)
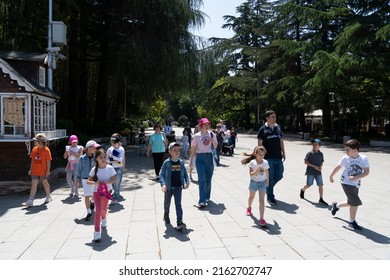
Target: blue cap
(318,141)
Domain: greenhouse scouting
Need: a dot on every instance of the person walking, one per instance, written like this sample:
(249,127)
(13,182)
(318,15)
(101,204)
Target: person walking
(39,168)
(85,166)
(258,172)
(270,136)
(356,167)
(101,174)
(116,158)
(201,148)
(173,179)
(72,153)
(314,161)
(157,145)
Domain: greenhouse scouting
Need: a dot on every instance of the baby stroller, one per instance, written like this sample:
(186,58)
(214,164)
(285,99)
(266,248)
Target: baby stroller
(227,148)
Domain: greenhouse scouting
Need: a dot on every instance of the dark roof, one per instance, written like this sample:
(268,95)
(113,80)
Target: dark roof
(14,55)
(25,82)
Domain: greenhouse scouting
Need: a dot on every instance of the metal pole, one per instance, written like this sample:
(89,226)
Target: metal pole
(49,43)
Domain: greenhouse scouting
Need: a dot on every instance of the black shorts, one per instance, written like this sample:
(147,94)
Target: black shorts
(352,193)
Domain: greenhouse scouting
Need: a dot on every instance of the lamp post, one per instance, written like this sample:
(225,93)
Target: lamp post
(49,46)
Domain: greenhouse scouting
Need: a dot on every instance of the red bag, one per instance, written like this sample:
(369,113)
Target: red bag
(103,191)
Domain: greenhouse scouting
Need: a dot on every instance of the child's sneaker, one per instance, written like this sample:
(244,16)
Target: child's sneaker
(104,223)
(181,225)
(323,202)
(166,219)
(354,225)
(302,194)
(97,236)
(248,211)
(334,208)
(48,199)
(262,223)
(29,202)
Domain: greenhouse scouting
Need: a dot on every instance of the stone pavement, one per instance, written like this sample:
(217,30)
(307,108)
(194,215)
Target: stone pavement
(299,229)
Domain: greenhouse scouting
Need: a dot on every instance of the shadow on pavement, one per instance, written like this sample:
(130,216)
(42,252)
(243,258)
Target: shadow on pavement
(71,200)
(171,232)
(35,209)
(83,221)
(213,208)
(104,243)
(286,207)
(318,205)
(369,234)
(272,229)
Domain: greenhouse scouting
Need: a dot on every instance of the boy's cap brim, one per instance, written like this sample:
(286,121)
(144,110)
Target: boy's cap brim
(174,144)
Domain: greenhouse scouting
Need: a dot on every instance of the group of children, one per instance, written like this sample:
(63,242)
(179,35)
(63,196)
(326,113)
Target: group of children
(93,168)
(356,167)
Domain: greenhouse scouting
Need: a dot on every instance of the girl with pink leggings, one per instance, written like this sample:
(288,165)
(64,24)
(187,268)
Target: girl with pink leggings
(101,173)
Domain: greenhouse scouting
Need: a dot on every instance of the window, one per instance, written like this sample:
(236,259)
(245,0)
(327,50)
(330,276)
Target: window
(13,115)
(44,114)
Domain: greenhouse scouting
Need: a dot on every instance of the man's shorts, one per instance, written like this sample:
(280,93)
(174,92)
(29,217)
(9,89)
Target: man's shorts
(352,193)
(257,186)
(310,180)
(39,178)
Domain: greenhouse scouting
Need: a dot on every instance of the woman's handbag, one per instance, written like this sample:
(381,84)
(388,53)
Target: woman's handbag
(103,191)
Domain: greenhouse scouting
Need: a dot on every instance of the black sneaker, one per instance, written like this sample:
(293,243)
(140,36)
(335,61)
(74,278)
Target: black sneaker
(272,201)
(323,202)
(92,206)
(334,208)
(302,194)
(88,217)
(354,225)
(167,220)
(181,225)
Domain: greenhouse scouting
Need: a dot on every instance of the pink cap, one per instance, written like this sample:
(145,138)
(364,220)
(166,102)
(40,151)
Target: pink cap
(92,143)
(203,121)
(73,138)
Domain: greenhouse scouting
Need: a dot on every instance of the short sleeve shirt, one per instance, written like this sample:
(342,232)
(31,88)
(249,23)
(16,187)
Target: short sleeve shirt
(157,142)
(203,142)
(103,174)
(253,165)
(315,158)
(271,140)
(175,173)
(39,157)
(353,167)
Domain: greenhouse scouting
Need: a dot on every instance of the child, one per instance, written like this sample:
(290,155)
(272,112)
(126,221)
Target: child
(185,144)
(258,172)
(314,161)
(101,173)
(39,168)
(85,165)
(72,153)
(116,158)
(142,142)
(356,167)
(173,178)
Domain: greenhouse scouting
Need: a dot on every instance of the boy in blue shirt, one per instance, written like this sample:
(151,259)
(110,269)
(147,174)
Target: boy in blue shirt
(173,178)
(314,161)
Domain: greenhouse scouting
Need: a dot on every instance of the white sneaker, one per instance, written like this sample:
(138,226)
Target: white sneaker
(48,199)
(29,202)
(104,223)
(97,235)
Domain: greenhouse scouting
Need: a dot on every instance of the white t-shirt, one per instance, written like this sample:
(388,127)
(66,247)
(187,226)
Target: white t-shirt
(115,157)
(103,174)
(253,166)
(353,167)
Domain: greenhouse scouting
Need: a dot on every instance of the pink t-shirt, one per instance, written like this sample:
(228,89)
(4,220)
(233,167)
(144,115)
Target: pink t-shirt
(203,142)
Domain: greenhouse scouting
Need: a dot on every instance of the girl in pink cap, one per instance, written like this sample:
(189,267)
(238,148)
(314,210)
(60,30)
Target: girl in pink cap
(201,148)
(72,152)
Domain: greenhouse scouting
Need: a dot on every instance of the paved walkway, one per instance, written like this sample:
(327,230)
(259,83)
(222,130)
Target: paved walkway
(299,229)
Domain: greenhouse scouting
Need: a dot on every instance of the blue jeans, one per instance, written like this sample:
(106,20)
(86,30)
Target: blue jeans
(275,175)
(117,185)
(205,168)
(176,192)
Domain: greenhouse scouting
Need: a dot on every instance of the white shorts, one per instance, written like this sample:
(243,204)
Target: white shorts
(88,189)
